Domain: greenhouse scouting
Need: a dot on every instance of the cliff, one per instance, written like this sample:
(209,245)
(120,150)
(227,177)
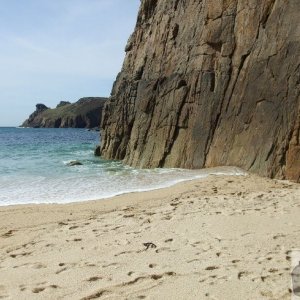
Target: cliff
(85,113)
(209,83)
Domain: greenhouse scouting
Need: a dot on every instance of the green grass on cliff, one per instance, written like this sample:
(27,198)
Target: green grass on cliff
(72,110)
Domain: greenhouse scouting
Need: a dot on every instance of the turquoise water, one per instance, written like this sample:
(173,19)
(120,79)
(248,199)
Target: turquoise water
(33,168)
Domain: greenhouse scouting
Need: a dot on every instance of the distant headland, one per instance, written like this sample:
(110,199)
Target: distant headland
(85,113)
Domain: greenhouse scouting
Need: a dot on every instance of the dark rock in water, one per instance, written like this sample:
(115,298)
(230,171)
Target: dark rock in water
(85,113)
(95,129)
(209,83)
(97,151)
(74,163)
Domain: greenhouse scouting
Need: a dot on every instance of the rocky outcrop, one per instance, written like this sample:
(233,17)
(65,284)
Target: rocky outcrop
(38,110)
(85,113)
(209,83)
(62,103)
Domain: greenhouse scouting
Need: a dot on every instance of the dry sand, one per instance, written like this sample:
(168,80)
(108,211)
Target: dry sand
(224,237)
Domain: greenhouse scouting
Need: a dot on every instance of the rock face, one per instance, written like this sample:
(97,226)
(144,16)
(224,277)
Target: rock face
(209,83)
(38,110)
(85,113)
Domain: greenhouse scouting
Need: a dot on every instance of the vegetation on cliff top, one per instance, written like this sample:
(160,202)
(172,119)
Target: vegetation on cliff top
(85,113)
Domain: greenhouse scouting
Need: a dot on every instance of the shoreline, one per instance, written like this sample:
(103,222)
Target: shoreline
(203,173)
(221,237)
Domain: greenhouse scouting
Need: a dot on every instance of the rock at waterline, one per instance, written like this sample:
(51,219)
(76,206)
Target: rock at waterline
(97,151)
(74,163)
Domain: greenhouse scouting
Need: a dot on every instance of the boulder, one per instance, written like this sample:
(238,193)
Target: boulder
(97,151)
(74,163)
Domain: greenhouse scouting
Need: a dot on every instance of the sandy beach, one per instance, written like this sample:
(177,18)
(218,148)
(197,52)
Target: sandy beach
(223,237)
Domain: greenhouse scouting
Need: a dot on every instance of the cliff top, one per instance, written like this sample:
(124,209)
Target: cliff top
(83,113)
(68,109)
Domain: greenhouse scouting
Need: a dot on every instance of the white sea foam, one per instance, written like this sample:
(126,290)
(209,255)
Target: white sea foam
(74,188)
(33,169)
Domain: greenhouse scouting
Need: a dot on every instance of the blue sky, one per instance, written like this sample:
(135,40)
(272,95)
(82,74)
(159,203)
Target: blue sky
(53,50)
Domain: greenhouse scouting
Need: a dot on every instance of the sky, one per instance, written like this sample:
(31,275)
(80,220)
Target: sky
(54,50)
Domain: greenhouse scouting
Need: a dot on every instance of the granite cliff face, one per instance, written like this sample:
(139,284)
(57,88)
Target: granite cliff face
(209,83)
(85,113)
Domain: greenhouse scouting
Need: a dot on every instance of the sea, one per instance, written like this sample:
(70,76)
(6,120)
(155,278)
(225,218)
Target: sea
(34,168)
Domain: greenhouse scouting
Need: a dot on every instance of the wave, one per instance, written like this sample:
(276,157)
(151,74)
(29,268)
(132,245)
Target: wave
(76,186)
(34,169)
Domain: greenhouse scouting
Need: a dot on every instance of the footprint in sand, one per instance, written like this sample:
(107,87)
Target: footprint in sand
(96,295)
(128,216)
(37,290)
(137,280)
(62,223)
(20,254)
(87,264)
(8,234)
(122,253)
(110,265)
(94,278)
(211,268)
(73,227)
(33,266)
(277,236)
(74,240)
(22,288)
(242,274)
(3,292)
(168,240)
(65,267)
